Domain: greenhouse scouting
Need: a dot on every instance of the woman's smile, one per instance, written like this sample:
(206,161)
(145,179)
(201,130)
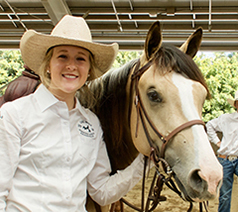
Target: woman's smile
(69,76)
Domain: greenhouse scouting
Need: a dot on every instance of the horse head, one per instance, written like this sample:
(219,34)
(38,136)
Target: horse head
(168,94)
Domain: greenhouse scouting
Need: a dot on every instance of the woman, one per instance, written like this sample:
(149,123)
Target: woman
(51,148)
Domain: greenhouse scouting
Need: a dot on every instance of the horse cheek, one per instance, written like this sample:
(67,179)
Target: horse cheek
(138,136)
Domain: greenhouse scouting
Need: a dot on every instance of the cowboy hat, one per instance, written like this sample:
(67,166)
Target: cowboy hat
(232,101)
(69,31)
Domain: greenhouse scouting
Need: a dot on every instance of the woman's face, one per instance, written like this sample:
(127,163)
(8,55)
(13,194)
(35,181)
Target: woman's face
(69,69)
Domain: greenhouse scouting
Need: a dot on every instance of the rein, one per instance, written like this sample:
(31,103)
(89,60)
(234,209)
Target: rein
(156,155)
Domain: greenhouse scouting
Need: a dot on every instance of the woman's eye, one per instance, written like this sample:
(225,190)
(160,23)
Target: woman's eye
(154,96)
(62,56)
(81,59)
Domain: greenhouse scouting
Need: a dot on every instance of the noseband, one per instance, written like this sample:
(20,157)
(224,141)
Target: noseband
(141,110)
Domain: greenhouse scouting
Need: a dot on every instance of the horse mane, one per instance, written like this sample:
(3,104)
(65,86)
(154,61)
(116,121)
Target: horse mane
(111,110)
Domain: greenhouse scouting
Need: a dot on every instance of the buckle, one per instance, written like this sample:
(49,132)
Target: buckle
(232,157)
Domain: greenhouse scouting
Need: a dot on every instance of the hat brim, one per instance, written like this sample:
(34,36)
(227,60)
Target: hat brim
(34,47)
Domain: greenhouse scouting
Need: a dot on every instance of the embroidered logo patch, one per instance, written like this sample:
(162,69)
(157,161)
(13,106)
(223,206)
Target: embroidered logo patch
(86,129)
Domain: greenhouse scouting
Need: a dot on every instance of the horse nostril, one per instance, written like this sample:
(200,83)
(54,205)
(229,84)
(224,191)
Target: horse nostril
(196,182)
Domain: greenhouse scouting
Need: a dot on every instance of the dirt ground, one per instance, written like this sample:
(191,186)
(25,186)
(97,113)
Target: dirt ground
(174,203)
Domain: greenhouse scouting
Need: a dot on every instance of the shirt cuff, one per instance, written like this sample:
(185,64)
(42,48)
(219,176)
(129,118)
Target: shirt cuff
(215,140)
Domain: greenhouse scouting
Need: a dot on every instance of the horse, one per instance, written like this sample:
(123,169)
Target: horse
(153,105)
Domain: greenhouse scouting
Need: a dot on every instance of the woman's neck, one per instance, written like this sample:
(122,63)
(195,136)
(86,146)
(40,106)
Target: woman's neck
(71,102)
(69,99)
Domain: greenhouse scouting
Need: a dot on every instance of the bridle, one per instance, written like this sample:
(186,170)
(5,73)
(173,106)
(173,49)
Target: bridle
(156,154)
(142,114)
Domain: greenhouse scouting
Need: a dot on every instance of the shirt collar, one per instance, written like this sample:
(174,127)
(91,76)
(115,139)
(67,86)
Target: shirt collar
(81,109)
(46,99)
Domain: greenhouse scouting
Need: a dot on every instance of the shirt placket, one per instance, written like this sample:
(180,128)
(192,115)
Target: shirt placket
(67,160)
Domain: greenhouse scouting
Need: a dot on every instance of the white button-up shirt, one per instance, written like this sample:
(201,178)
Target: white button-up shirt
(50,156)
(228,125)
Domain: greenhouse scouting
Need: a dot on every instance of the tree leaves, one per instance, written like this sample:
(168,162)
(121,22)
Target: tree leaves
(11,66)
(220,71)
(221,74)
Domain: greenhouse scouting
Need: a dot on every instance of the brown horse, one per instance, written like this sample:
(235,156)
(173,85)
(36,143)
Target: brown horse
(153,105)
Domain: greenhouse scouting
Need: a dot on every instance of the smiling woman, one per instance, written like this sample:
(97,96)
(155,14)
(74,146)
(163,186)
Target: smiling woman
(47,171)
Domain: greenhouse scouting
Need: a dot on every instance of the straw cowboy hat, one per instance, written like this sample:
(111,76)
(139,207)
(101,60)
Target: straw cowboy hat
(69,31)
(232,101)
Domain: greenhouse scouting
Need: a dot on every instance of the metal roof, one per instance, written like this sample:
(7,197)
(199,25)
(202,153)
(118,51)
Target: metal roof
(126,21)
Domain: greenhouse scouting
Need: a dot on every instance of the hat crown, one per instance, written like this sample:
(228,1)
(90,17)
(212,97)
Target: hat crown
(72,28)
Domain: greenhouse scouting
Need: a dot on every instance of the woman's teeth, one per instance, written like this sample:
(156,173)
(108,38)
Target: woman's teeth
(70,76)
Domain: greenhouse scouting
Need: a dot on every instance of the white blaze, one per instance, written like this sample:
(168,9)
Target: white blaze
(210,169)
(185,88)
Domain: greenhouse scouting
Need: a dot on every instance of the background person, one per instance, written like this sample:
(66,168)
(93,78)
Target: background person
(21,86)
(227,124)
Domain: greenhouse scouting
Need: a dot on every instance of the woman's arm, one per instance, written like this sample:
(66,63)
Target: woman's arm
(212,129)
(106,189)
(9,150)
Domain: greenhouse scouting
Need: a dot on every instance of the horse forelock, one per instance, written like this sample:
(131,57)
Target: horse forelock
(169,58)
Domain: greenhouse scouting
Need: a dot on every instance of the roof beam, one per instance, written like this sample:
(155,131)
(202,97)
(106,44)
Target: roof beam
(56,9)
(15,15)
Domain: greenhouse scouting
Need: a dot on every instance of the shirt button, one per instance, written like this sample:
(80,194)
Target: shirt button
(68,159)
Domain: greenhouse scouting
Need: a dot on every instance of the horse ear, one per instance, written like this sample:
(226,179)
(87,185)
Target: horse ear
(153,40)
(193,43)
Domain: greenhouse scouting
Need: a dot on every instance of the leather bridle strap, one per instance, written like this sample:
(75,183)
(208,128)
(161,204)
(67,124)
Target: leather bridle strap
(177,130)
(164,139)
(139,71)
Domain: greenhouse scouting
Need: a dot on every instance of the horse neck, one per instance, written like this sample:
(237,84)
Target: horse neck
(112,110)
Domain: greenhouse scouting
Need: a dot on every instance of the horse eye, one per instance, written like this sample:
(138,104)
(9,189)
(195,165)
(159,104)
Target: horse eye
(154,96)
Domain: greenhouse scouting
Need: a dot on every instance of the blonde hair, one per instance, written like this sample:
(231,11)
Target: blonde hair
(84,94)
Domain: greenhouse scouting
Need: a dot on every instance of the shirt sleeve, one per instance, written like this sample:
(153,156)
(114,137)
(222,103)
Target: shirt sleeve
(9,150)
(212,129)
(106,189)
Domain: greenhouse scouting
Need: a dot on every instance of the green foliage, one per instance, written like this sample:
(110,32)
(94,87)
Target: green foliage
(220,71)
(125,56)
(11,66)
(221,74)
